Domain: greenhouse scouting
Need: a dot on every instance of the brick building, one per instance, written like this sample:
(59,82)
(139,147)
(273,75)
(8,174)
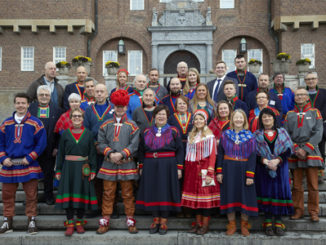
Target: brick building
(155,33)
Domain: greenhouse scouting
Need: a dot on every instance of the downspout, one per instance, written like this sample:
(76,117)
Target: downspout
(270,29)
(94,34)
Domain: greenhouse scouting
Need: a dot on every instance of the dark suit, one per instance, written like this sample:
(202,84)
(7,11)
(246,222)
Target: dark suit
(220,93)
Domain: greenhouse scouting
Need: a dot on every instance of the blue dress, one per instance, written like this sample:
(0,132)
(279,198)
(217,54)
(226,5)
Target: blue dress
(274,193)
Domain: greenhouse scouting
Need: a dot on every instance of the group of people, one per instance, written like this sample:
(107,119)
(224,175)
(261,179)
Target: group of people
(227,144)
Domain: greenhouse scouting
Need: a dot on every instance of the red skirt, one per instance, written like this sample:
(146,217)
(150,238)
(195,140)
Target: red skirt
(194,195)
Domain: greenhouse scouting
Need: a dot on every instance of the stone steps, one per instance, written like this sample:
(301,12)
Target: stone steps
(55,222)
(44,209)
(171,238)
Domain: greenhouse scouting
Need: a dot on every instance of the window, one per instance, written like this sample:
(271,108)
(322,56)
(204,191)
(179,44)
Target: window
(227,4)
(136,4)
(228,56)
(27,59)
(308,51)
(135,62)
(59,54)
(0,58)
(108,55)
(167,1)
(256,54)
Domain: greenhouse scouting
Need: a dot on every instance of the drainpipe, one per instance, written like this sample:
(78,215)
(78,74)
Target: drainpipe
(271,30)
(93,35)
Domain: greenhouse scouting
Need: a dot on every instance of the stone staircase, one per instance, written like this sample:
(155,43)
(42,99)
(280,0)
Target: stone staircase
(51,229)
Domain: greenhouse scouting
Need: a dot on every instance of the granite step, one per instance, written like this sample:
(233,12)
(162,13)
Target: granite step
(171,238)
(55,222)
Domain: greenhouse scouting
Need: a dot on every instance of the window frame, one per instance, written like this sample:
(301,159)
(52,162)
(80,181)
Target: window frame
(230,66)
(141,7)
(224,4)
(312,57)
(105,73)
(131,72)
(55,59)
(22,58)
(261,57)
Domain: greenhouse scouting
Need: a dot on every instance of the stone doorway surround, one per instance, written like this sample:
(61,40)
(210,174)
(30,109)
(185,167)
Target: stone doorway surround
(182,27)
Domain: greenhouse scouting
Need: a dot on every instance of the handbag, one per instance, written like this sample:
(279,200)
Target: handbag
(203,176)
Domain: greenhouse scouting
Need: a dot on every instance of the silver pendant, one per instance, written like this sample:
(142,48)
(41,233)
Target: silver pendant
(158,134)
(270,133)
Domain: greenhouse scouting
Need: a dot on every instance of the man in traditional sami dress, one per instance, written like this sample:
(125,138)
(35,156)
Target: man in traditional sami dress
(263,84)
(95,115)
(76,87)
(317,97)
(89,94)
(247,80)
(175,91)
(22,140)
(160,91)
(118,140)
(305,127)
(136,97)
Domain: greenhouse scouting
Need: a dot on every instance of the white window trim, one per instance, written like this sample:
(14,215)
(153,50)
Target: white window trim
(230,66)
(312,57)
(260,58)
(138,8)
(0,58)
(22,57)
(55,59)
(141,63)
(226,4)
(105,73)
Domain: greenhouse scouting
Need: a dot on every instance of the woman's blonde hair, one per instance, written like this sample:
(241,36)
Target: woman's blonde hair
(117,81)
(245,124)
(186,88)
(194,100)
(204,132)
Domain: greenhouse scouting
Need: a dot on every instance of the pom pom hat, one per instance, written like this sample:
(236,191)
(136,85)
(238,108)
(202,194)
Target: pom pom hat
(123,70)
(120,98)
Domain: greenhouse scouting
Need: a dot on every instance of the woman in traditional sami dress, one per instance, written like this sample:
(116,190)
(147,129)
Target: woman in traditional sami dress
(122,79)
(262,98)
(64,121)
(160,161)
(182,119)
(200,190)
(236,170)
(76,168)
(193,79)
(222,120)
(274,146)
(202,100)
(143,115)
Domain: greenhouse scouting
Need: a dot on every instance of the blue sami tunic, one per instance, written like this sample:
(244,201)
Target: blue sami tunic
(19,140)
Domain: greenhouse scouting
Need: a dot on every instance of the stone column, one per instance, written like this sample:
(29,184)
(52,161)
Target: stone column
(154,56)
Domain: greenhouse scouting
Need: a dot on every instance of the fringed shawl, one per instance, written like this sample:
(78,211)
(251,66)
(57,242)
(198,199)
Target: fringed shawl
(246,146)
(282,144)
(202,149)
(155,142)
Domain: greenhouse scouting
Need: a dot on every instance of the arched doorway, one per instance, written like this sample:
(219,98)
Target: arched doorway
(171,62)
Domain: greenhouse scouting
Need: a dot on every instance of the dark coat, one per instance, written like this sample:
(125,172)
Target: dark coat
(220,93)
(32,89)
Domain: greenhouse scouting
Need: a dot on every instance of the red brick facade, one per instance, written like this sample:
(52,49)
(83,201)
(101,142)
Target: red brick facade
(249,19)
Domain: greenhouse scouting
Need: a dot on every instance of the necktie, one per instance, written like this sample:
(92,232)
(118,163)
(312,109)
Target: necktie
(216,89)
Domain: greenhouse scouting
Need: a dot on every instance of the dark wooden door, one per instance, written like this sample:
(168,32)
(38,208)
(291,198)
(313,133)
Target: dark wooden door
(170,65)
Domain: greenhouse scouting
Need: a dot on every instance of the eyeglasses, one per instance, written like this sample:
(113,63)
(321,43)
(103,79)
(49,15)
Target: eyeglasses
(77,116)
(44,95)
(311,79)
(261,97)
(301,95)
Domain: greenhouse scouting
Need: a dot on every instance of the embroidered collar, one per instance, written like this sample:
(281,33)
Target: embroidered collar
(234,99)
(242,136)
(27,115)
(306,107)
(122,120)
(163,129)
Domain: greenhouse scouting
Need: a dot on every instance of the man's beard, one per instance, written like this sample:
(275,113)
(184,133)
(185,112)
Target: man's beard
(176,93)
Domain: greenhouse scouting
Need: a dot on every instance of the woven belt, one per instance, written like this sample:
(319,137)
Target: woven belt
(235,158)
(160,154)
(76,158)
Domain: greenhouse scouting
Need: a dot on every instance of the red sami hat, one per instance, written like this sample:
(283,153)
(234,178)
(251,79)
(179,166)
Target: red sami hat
(123,70)
(120,98)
